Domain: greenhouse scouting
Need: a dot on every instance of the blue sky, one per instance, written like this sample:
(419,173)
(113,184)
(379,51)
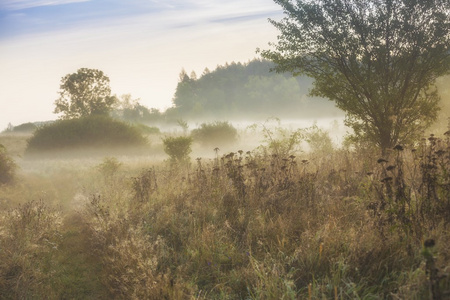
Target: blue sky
(142,45)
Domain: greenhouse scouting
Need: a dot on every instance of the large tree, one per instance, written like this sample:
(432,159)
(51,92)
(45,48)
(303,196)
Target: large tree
(84,93)
(377,59)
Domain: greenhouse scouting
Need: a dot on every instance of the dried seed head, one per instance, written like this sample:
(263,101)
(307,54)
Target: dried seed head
(386,179)
(390,168)
(429,243)
(381,160)
(440,152)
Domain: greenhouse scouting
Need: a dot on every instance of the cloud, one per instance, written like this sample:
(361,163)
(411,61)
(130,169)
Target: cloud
(141,45)
(24,4)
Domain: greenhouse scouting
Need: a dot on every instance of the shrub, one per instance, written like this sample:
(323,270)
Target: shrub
(109,167)
(93,131)
(215,134)
(7,166)
(147,129)
(279,141)
(319,140)
(178,148)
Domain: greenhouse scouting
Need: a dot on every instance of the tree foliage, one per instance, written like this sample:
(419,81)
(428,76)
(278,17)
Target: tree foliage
(378,60)
(246,91)
(131,110)
(86,92)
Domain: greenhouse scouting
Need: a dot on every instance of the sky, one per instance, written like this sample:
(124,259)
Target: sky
(141,45)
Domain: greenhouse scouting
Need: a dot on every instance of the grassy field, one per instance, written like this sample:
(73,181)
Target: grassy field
(338,224)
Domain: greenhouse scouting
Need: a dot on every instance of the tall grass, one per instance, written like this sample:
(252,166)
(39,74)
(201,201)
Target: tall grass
(243,225)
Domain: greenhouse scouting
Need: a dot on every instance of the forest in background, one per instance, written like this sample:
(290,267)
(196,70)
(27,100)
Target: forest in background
(248,91)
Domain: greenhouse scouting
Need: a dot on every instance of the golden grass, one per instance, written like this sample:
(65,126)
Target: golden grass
(238,226)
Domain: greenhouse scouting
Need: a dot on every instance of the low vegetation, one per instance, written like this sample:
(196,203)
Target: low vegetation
(7,166)
(344,224)
(91,131)
(22,128)
(178,148)
(216,134)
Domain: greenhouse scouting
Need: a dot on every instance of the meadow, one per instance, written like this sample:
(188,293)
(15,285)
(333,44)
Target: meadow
(269,222)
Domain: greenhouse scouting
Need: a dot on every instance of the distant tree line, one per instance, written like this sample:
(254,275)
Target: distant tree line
(247,90)
(231,91)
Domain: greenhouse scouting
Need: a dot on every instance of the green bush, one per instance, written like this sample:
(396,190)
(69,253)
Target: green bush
(92,131)
(147,129)
(7,166)
(109,167)
(215,134)
(319,140)
(178,148)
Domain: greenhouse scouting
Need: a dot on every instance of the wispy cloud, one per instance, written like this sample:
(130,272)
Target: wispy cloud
(24,4)
(140,44)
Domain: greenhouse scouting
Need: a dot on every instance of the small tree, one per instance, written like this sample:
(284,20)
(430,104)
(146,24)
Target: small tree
(377,59)
(84,93)
(178,148)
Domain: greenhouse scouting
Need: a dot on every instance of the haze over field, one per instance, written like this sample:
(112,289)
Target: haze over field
(141,45)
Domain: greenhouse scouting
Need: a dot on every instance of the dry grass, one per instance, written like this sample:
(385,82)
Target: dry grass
(238,226)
